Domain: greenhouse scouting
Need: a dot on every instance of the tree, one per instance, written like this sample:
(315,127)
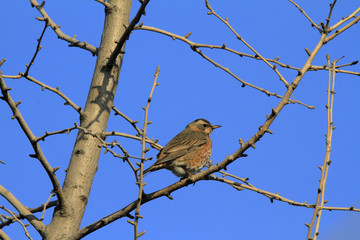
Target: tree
(287,89)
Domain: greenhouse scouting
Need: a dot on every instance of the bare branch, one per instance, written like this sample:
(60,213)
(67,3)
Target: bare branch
(140,182)
(313,24)
(195,46)
(320,199)
(72,40)
(226,22)
(17,220)
(45,206)
(352,15)
(331,37)
(132,122)
(47,134)
(38,152)
(32,210)
(330,12)
(44,86)
(38,47)
(152,143)
(36,223)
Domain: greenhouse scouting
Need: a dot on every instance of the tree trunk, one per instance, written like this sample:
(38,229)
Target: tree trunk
(84,159)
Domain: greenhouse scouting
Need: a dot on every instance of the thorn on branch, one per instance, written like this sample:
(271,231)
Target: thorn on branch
(187,35)
(268,131)
(308,51)
(40,19)
(142,233)
(18,103)
(131,222)
(33,156)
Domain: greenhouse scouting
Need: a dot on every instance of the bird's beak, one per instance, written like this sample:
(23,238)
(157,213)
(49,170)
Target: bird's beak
(215,126)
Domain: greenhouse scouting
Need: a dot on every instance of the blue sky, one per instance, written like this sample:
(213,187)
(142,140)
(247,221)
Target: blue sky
(191,88)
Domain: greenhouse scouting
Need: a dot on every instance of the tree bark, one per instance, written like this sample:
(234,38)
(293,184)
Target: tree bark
(84,159)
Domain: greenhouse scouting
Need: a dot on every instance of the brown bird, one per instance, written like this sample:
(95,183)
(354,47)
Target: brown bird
(188,152)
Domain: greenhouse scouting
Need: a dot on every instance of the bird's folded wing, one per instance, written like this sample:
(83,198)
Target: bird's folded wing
(181,145)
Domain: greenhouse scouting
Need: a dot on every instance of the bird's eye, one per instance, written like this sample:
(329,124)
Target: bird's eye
(205,125)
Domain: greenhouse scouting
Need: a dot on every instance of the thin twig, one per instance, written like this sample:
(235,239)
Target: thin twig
(337,32)
(72,40)
(45,206)
(32,138)
(226,22)
(32,210)
(241,54)
(47,134)
(320,199)
(195,46)
(313,24)
(24,211)
(153,143)
(342,21)
(132,122)
(44,86)
(17,220)
(38,48)
(330,12)
(140,183)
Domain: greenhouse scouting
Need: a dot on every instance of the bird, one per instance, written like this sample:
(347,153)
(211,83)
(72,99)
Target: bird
(188,152)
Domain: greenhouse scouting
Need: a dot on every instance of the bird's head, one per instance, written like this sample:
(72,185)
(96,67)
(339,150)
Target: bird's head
(202,125)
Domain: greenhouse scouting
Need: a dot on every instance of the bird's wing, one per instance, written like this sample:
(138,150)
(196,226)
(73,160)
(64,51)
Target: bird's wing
(185,142)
